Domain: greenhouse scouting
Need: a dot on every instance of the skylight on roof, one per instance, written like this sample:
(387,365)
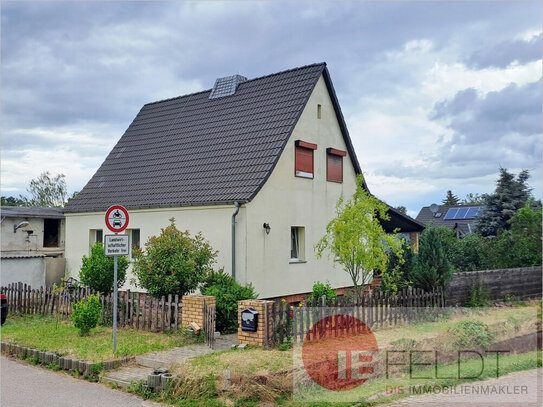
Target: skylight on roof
(464,213)
(226,86)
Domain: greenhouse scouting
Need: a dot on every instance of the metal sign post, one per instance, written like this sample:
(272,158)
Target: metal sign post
(116,245)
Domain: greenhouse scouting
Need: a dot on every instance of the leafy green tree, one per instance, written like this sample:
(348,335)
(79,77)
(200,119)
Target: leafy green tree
(510,195)
(402,209)
(97,270)
(396,276)
(470,253)
(227,292)
(521,245)
(356,239)
(433,269)
(47,190)
(473,199)
(173,262)
(13,201)
(451,199)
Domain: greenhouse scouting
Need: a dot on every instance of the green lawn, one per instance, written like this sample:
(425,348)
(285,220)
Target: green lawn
(45,334)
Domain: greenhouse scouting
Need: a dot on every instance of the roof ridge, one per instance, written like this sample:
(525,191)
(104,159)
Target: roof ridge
(248,80)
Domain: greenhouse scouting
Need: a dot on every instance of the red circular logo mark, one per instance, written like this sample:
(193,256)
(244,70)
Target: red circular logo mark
(117,218)
(338,352)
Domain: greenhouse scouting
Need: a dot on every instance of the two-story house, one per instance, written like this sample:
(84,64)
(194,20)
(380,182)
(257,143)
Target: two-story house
(256,165)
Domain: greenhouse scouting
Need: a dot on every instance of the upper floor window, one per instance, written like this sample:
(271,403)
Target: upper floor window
(334,164)
(303,160)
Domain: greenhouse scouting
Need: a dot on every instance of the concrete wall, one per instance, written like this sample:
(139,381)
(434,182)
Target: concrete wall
(213,221)
(28,270)
(522,282)
(55,267)
(287,200)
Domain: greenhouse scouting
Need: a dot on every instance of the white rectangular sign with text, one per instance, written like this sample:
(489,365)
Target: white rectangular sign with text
(116,245)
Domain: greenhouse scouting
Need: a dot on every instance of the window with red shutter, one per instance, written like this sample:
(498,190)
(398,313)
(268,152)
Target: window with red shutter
(303,160)
(334,164)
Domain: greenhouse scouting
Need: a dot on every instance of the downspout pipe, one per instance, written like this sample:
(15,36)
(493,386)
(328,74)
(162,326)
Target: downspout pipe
(236,211)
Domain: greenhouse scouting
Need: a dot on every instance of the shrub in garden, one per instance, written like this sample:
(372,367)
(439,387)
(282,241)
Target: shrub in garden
(433,269)
(320,289)
(86,314)
(396,275)
(97,270)
(478,296)
(471,334)
(227,293)
(174,262)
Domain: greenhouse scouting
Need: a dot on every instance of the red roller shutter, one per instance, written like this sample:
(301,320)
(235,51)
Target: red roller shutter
(334,164)
(303,165)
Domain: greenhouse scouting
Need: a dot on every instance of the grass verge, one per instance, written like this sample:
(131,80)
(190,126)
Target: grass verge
(45,334)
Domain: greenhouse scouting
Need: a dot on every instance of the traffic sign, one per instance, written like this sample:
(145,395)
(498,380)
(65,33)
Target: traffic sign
(116,245)
(117,218)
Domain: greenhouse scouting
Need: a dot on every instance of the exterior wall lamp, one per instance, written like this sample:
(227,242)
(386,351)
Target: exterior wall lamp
(267,227)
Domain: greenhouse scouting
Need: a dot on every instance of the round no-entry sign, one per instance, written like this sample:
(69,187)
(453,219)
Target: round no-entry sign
(117,218)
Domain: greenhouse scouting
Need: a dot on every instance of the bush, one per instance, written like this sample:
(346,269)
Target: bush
(227,293)
(471,334)
(86,314)
(173,263)
(433,269)
(477,296)
(320,289)
(97,270)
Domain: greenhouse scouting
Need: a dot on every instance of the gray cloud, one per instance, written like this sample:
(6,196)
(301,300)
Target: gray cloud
(506,52)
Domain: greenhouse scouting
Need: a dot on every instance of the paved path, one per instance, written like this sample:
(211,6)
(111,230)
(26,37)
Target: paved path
(146,364)
(525,397)
(24,385)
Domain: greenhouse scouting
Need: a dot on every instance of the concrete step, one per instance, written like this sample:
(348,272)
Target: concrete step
(124,376)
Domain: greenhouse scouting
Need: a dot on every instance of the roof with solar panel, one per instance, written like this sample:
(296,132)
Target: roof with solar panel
(458,217)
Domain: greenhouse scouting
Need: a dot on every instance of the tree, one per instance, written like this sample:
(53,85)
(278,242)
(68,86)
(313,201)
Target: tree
(12,201)
(451,199)
(521,245)
(97,270)
(47,190)
(356,239)
(510,195)
(396,276)
(433,269)
(402,209)
(473,199)
(174,262)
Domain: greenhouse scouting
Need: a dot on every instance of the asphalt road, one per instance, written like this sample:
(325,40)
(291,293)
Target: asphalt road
(23,385)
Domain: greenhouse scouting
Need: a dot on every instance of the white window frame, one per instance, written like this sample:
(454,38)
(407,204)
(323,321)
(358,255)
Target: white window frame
(297,238)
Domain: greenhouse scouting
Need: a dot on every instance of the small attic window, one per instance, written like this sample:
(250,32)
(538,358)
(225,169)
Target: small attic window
(319,113)
(226,86)
(437,215)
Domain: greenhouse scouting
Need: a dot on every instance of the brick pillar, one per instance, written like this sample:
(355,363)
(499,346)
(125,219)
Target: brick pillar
(193,309)
(259,337)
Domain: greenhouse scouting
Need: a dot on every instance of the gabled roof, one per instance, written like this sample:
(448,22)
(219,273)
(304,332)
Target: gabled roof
(401,221)
(193,150)
(31,212)
(463,226)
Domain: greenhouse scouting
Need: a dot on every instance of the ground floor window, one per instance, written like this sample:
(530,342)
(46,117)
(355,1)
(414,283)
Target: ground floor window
(134,240)
(96,235)
(51,232)
(297,244)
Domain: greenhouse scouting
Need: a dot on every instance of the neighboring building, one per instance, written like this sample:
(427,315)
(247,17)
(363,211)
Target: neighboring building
(32,245)
(409,228)
(459,218)
(277,146)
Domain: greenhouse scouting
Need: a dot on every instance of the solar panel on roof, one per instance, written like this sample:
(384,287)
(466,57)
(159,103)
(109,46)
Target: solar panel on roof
(464,213)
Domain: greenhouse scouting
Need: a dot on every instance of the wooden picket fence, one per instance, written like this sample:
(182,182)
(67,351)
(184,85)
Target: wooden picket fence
(135,310)
(376,310)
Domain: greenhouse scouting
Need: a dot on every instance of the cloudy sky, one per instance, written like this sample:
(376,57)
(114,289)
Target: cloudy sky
(436,95)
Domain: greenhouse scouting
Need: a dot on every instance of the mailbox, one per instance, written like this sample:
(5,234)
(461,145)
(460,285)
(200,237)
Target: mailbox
(249,320)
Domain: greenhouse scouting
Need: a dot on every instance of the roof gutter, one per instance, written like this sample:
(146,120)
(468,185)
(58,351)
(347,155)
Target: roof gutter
(236,211)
